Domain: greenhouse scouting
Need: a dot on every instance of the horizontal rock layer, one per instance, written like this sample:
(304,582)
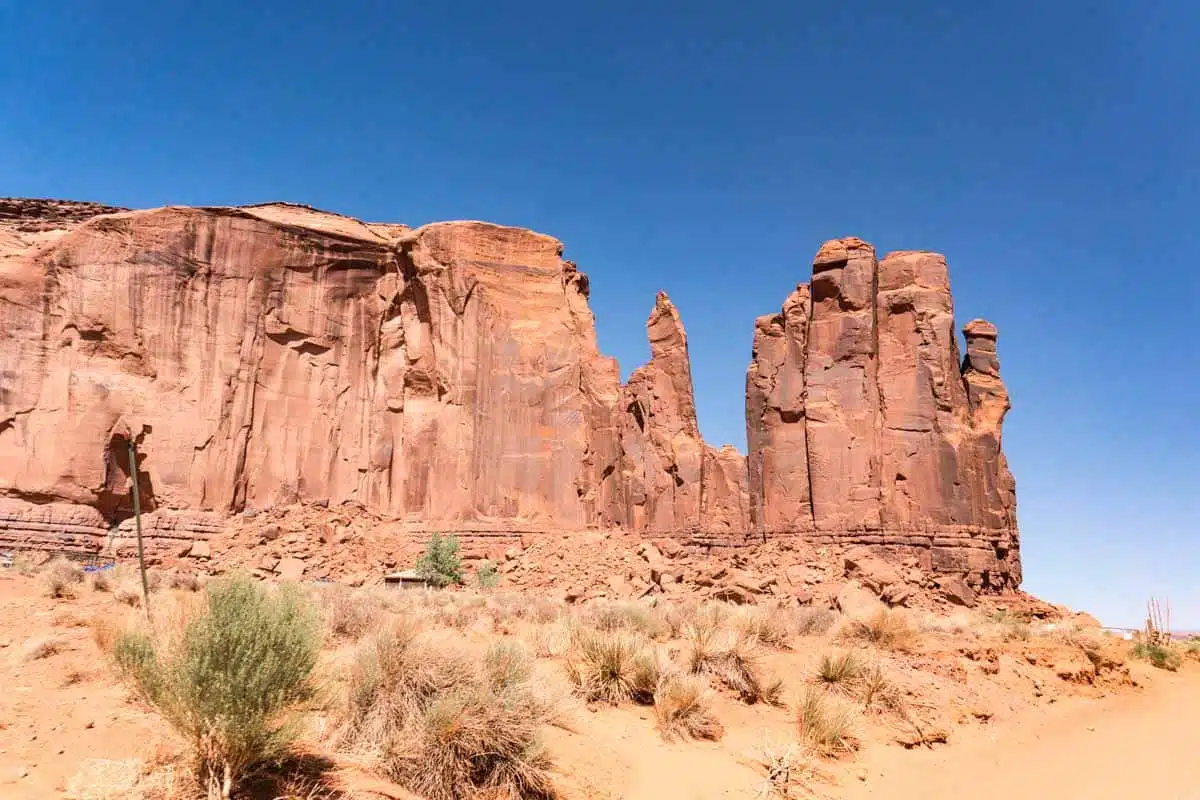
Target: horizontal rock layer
(448,378)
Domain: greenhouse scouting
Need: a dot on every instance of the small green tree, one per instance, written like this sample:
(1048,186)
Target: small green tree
(233,681)
(487,575)
(441,566)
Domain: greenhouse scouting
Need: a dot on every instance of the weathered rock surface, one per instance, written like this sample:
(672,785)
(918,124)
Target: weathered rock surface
(448,378)
(864,428)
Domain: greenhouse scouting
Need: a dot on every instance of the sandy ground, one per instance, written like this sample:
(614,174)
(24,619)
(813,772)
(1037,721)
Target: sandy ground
(1043,737)
(1139,745)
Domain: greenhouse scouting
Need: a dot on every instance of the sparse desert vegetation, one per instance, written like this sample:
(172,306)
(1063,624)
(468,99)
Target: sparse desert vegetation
(452,694)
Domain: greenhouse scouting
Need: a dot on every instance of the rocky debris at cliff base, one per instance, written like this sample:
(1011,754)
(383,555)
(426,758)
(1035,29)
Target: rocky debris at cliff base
(359,548)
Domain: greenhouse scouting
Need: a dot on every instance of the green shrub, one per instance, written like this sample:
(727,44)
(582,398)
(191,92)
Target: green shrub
(487,575)
(233,681)
(441,566)
(1159,655)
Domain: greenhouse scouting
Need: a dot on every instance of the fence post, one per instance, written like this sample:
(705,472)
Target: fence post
(137,517)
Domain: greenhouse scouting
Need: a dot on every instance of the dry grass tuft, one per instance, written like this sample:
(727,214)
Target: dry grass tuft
(549,641)
(424,712)
(682,708)
(876,690)
(887,629)
(351,614)
(840,671)
(786,766)
(826,723)
(43,647)
(101,580)
(813,621)
(634,617)
(61,578)
(128,594)
(612,667)
(769,626)
(507,665)
(735,660)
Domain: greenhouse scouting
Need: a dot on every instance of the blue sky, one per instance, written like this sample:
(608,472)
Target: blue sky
(1051,150)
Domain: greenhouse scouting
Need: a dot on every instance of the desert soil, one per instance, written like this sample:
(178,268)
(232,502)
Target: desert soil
(1127,746)
(60,711)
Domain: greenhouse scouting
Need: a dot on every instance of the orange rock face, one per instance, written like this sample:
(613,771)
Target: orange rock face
(865,428)
(448,378)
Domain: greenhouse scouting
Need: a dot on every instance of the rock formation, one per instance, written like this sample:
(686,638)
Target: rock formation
(448,377)
(864,428)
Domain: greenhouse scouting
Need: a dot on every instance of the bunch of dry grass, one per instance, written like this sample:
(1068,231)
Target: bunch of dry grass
(813,621)
(128,593)
(102,580)
(550,640)
(886,628)
(185,581)
(636,617)
(351,614)
(61,577)
(840,671)
(876,690)
(769,626)
(43,647)
(444,725)
(735,660)
(612,667)
(786,767)
(682,708)
(827,724)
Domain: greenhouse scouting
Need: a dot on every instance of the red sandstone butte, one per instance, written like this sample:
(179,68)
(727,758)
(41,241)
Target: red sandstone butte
(448,377)
(864,426)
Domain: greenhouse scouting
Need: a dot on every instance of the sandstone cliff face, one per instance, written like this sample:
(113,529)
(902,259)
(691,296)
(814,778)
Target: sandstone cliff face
(863,426)
(448,377)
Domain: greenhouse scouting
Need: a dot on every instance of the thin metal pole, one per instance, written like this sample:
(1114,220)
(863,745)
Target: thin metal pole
(137,517)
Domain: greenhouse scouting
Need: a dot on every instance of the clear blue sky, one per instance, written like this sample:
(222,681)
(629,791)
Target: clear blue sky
(1051,150)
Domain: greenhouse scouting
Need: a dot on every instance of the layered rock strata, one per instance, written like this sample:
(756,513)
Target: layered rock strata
(865,428)
(448,378)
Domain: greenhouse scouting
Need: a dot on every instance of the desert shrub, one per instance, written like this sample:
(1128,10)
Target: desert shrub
(233,681)
(612,667)
(351,614)
(61,577)
(185,581)
(128,593)
(767,626)
(826,723)
(886,629)
(102,580)
(734,660)
(549,641)
(43,647)
(486,575)
(1159,655)
(441,724)
(876,689)
(682,708)
(1014,630)
(630,616)
(813,621)
(440,565)
(507,664)
(840,671)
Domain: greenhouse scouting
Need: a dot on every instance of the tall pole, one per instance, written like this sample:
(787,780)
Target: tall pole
(137,517)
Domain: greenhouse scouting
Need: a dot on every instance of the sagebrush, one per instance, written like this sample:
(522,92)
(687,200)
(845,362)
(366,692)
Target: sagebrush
(232,683)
